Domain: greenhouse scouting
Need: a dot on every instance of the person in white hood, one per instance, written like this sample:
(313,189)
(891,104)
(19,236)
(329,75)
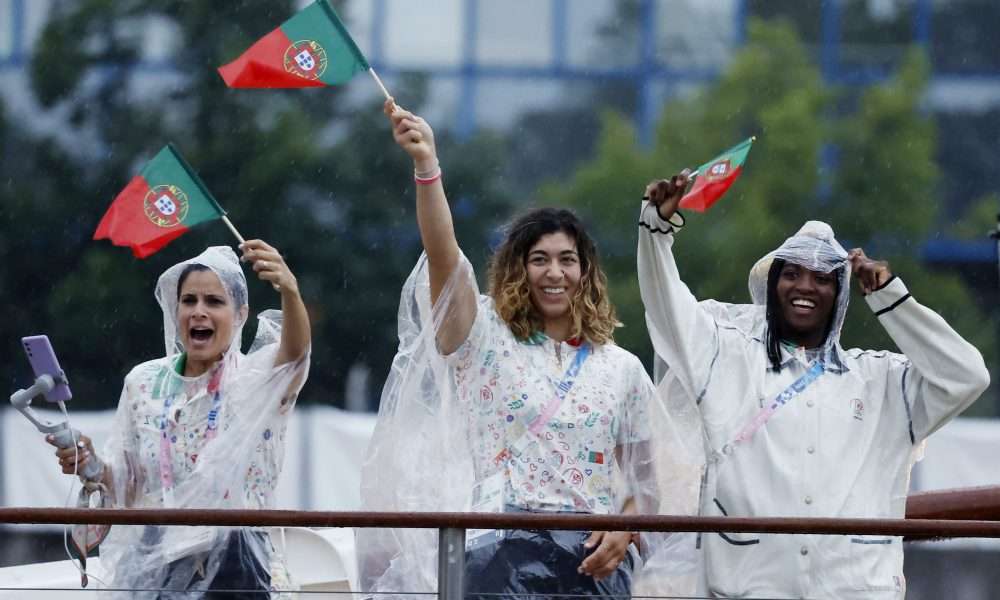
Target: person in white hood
(795,425)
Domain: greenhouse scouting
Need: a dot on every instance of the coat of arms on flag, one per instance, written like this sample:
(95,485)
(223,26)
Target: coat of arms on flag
(714,177)
(306,59)
(166,205)
(311,49)
(718,170)
(160,203)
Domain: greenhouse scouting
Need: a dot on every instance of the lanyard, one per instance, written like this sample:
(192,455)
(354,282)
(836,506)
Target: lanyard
(211,430)
(797,387)
(562,388)
(166,469)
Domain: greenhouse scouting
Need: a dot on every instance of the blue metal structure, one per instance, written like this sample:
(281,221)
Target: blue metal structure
(15,29)
(649,73)
(646,72)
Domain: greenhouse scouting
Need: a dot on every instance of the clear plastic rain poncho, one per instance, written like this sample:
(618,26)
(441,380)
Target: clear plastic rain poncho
(213,441)
(815,248)
(426,451)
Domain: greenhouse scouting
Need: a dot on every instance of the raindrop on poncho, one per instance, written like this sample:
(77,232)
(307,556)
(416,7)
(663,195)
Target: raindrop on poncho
(441,421)
(212,441)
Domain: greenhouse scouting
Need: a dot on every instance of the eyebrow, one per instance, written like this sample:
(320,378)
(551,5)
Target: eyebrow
(544,253)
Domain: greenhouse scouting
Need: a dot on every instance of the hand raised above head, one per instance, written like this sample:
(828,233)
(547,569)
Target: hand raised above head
(269,265)
(413,134)
(870,274)
(666,194)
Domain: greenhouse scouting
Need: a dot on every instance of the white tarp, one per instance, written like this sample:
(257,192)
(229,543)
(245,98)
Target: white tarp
(322,460)
(326,446)
(962,454)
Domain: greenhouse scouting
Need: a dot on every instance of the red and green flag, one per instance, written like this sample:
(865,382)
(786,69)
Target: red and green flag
(714,177)
(163,201)
(312,49)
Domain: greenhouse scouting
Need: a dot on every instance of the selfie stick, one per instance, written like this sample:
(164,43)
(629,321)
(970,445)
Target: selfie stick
(63,435)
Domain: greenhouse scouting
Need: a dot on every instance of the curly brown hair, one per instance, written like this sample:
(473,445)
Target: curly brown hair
(592,314)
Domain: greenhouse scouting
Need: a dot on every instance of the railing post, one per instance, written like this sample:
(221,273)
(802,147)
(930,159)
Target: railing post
(451,563)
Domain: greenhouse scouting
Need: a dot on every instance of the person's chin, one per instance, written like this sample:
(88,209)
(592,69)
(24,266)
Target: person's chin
(555,311)
(799,327)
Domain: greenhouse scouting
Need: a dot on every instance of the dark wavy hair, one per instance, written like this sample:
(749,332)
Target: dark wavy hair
(776,330)
(592,314)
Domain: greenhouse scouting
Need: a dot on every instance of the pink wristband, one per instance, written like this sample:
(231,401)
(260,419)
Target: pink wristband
(427,180)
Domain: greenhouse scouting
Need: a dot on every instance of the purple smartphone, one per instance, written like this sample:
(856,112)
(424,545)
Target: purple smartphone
(43,362)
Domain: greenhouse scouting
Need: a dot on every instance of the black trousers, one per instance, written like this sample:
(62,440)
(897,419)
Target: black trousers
(240,574)
(533,565)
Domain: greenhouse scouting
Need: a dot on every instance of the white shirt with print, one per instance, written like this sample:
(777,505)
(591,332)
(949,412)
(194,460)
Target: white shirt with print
(570,464)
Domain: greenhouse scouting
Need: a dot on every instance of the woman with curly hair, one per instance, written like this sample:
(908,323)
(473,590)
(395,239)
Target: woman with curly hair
(513,401)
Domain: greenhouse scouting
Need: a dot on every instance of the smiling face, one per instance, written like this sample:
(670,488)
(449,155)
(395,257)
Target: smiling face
(206,319)
(553,267)
(806,300)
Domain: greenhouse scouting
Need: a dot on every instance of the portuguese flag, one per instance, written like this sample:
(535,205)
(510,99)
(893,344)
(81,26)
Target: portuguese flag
(714,177)
(312,49)
(163,201)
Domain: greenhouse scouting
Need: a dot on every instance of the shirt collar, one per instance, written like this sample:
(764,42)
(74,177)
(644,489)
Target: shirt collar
(831,355)
(537,338)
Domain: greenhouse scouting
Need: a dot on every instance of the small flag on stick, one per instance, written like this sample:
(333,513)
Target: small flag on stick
(714,177)
(312,49)
(163,201)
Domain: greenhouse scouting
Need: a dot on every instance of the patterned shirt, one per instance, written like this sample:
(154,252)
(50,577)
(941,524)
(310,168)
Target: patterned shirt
(155,392)
(570,461)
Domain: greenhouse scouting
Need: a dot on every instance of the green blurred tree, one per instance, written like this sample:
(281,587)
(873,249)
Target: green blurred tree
(888,199)
(321,180)
(882,189)
(771,90)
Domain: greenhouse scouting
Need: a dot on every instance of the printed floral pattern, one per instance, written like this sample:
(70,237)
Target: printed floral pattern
(148,387)
(570,465)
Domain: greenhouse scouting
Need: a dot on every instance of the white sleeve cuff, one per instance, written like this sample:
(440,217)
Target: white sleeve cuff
(888,297)
(649,218)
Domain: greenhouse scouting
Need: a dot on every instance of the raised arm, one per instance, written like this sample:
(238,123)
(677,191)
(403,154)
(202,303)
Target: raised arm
(296,334)
(945,373)
(437,232)
(683,335)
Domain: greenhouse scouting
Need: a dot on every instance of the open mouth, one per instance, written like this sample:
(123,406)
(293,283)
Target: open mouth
(201,334)
(553,291)
(803,304)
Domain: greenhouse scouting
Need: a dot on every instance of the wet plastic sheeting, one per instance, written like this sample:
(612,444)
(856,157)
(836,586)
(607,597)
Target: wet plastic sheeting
(522,562)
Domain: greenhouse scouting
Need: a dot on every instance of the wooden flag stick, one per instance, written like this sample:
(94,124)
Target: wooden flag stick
(239,237)
(232,228)
(379,82)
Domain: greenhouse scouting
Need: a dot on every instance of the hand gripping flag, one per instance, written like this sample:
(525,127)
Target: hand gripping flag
(714,177)
(312,49)
(163,201)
